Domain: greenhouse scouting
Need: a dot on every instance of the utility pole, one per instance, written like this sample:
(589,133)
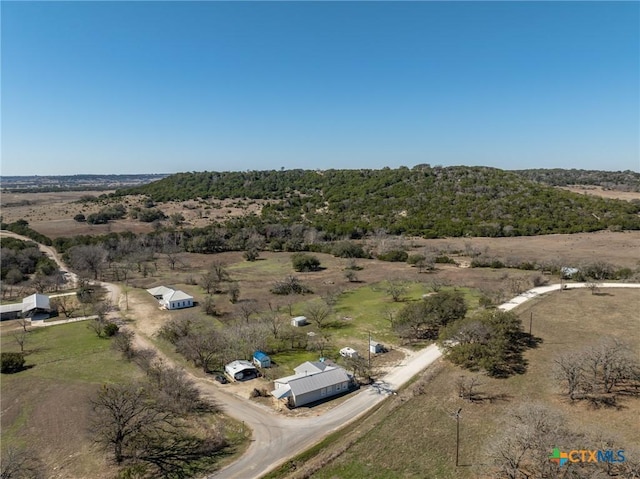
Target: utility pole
(458,436)
(530,322)
(369,349)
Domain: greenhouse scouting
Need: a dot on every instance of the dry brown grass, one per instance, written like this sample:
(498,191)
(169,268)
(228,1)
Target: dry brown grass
(603,193)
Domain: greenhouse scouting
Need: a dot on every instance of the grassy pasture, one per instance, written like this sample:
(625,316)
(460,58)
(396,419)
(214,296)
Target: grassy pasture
(414,435)
(46,406)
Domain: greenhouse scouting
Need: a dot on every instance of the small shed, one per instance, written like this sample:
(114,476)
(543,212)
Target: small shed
(261,359)
(375,347)
(348,352)
(299,321)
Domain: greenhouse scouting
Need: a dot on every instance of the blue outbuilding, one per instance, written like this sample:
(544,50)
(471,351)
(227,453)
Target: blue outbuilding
(261,359)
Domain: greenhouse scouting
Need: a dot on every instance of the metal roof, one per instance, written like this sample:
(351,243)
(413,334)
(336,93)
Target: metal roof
(11,308)
(176,296)
(35,301)
(159,291)
(309,367)
(315,382)
(260,355)
(237,366)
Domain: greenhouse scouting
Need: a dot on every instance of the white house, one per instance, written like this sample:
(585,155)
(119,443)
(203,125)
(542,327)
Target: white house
(177,300)
(298,321)
(241,370)
(171,298)
(312,382)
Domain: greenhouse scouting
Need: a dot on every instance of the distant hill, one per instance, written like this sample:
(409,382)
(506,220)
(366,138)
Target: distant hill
(614,180)
(37,183)
(422,201)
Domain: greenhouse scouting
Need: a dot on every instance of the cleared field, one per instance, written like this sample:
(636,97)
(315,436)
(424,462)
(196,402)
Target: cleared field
(414,435)
(45,407)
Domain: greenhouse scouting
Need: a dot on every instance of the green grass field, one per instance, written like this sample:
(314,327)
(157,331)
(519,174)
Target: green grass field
(359,312)
(68,352)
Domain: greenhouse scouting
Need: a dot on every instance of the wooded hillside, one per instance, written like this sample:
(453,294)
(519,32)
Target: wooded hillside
(422,201)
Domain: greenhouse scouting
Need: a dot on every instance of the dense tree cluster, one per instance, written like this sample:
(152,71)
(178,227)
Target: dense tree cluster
(424,201)
(106,214)
(491,340)
(423,319)
(20,259)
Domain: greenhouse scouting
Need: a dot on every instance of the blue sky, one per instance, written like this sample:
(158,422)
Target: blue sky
(162,87)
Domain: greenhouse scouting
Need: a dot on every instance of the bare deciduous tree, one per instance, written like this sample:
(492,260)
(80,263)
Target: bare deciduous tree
(466,386)
(89,258)
(20,464)
(209,282)
(123,342)
(123,416)
(593,285)
(320,342)
(531,431)
(247,308)
(596,372)
(20,338)
(219,271)
(65,304)
(395,288)
(201,347)
(318,312)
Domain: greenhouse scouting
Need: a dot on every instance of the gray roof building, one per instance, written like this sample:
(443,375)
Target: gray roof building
(313,381)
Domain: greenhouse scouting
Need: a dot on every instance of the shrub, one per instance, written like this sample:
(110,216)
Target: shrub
(11,362)
(414,259)
(110,329)
(305,262)
(79,218)
(444,259)
(251,254)
(527,266)
(347,249)
(396,255)
(624,273)
(290,285)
